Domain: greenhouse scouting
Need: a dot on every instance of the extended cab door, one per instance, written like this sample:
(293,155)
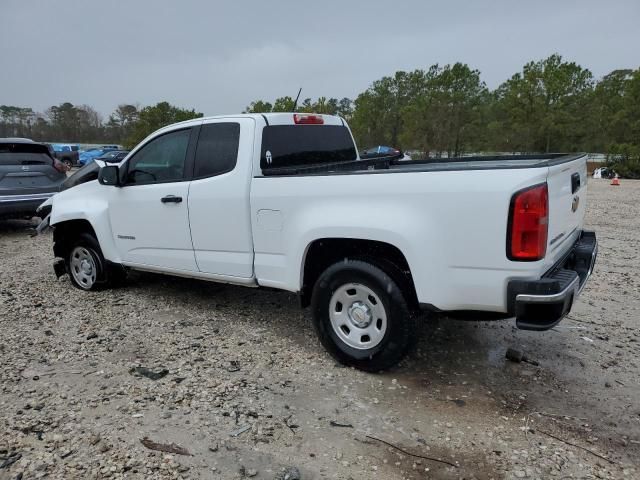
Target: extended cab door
(219,210)
(149,216)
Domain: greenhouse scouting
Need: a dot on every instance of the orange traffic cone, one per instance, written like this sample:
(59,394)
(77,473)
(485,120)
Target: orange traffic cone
(615,181)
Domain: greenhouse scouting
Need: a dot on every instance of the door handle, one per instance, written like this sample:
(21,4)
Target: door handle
(171,199)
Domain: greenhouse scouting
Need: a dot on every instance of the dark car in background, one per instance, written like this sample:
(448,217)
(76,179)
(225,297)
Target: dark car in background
(380,151)
(29,174)
(113,156)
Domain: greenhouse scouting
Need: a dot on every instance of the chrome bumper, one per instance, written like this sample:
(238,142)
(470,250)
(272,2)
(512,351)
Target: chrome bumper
(541,304)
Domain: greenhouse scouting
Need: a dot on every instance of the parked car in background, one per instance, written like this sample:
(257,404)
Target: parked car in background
(603,172)
(67,153)
(29,174)
(384,151)
(283,200)
(113,156)
(92,154)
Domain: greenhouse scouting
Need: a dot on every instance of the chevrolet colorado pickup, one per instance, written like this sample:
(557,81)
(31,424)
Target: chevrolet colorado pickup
(282,200)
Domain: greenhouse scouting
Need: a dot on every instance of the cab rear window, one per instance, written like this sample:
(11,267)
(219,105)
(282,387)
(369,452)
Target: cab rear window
(305,145)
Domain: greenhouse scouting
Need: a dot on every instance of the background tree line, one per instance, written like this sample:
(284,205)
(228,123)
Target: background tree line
(551,105)
(68,123)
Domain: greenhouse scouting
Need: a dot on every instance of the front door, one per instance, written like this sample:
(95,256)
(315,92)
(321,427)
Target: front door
(149,215)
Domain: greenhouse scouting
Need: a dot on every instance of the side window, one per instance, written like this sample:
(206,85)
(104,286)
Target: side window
(217,150)
(160,160)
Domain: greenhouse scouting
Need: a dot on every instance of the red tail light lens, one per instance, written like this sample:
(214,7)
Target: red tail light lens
(528,224)
(59,166)
(307,119)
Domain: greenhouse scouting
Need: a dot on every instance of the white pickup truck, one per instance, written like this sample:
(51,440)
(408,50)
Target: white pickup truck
(283,200)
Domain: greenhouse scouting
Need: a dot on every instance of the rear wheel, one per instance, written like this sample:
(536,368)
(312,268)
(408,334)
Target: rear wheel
(361,316)
(68,163)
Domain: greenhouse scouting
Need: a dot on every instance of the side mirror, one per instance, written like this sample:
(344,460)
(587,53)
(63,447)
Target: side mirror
(109,175)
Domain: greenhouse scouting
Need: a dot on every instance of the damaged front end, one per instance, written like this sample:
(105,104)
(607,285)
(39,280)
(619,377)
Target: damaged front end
(44,210)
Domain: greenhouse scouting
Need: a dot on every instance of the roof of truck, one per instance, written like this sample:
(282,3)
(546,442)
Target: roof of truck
(279,118)
(272,118)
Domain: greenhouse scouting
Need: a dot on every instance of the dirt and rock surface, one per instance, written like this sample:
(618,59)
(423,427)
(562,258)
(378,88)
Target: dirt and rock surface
(231,383)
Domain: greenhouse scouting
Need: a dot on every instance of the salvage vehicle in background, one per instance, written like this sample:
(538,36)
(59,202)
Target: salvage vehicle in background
(384,151)
(283,200)
(604,172)
(67,153)
(113,156)
(28,175)
(92,153)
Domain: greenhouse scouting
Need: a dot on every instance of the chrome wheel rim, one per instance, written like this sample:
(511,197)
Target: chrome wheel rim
(358,316)
(83,267)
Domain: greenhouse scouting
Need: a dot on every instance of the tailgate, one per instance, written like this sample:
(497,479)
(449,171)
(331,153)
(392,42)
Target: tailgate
(567,184)
(29,179)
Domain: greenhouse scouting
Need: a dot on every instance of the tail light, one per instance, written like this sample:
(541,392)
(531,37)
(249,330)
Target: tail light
(528,224)
(307,119)
(59,166)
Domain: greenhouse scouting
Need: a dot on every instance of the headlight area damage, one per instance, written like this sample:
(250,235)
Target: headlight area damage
(45,211)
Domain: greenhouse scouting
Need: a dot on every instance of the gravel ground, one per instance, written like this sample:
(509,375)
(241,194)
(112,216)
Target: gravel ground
(246,391)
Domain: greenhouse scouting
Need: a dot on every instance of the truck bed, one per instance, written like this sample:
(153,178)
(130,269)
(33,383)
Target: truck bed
(394,165)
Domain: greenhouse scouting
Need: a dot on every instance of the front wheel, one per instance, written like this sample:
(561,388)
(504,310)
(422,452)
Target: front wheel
(361,316)
(87,267)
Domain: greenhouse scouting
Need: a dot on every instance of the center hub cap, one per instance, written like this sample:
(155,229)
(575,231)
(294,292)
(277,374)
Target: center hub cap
(86,267)
(360,315)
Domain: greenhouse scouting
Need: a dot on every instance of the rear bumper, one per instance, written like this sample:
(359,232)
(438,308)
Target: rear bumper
(541,304)
(22,205)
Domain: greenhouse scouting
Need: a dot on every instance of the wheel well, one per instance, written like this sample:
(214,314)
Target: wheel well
(66,232)
(325,252)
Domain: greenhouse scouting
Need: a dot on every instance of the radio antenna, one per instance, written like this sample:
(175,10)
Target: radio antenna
(295,104)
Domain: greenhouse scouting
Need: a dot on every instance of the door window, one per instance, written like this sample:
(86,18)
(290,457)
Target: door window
(159,161)
(217,150)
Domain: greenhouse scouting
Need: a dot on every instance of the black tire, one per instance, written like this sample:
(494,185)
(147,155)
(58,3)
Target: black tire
(68,163)
(105,275)
(401,323)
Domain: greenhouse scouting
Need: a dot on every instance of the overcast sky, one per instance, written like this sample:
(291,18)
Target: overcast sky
(218,56)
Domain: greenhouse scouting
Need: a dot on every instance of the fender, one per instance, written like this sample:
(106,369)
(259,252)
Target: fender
(87,201)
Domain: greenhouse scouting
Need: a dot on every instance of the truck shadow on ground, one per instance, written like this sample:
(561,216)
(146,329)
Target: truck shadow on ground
(447,351)
(459,363)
